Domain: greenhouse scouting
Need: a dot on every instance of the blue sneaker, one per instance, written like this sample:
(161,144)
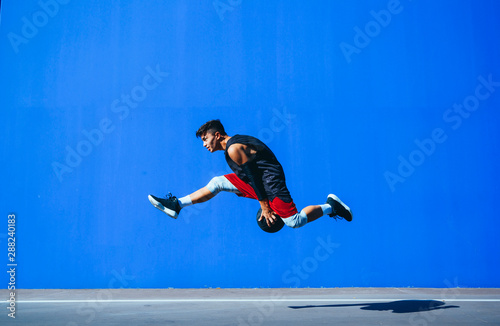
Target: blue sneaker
(339,208)
(168,205)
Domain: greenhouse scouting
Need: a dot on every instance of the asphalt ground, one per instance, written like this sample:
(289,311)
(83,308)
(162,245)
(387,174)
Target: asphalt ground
(325,306)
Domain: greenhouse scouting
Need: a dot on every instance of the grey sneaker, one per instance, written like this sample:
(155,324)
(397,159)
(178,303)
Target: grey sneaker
(339,208)
(169,205)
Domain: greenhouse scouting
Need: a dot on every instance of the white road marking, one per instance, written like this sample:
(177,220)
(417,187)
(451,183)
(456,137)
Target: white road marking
(302,300)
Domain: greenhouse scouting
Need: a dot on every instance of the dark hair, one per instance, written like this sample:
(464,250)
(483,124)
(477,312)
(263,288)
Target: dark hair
(213,126)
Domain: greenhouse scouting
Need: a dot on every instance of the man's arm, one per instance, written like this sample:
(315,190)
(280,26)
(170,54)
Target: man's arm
(243,156)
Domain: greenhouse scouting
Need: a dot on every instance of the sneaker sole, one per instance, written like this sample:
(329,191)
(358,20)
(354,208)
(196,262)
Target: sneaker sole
(337,199)
(162,208)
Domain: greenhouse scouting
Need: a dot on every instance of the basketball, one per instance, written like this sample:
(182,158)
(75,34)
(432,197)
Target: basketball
(278,225)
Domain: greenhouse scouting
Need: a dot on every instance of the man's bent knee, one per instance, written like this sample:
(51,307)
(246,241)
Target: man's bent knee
(296,221)
(218,184)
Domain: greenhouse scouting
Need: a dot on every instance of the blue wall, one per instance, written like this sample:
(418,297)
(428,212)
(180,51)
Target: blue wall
(392,105)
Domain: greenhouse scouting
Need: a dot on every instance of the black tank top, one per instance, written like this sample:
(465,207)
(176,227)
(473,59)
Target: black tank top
(270,170)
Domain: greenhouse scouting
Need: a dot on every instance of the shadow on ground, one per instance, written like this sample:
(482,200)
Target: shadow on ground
(399,307)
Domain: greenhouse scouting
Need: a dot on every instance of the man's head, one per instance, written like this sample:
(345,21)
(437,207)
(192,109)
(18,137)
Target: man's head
(212,133)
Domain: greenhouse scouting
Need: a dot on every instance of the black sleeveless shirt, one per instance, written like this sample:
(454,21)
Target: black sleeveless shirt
(270,170)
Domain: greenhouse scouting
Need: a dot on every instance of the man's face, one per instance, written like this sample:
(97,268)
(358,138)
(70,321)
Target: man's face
(210,140)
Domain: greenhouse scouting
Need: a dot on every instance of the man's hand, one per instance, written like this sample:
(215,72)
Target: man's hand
(267,213)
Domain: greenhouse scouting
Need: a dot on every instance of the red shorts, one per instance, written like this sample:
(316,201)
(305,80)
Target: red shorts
(283,209)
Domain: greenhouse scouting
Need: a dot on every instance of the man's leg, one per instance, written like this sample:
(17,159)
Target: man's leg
(200,196)
(172,206)
(333,207)
(313,212)
(216,185)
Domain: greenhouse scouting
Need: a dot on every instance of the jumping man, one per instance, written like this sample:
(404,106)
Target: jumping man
(257,175)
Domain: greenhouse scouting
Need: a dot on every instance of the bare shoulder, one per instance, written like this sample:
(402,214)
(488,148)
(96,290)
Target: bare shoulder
(238,153)
(236,149)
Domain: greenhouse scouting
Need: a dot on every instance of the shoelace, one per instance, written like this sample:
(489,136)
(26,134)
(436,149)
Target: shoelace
(336,217)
